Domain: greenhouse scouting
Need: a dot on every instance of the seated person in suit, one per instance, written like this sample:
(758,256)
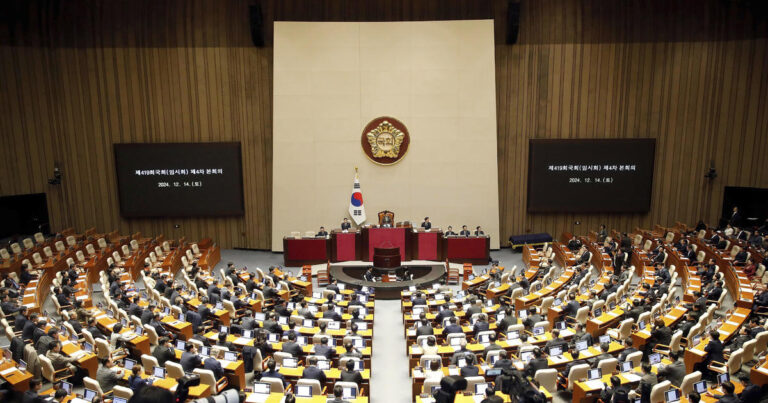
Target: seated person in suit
(479,231)
(324,349)
(345,225)
(212,364)
(453,327)
(463,352)
(291,347)
(272,373)
(338,394)
(503,361)
(449,232)
(368,276)
(313,372)
(322,232)
(135,381)
(464,231)
(538,362)
(349,374)
(674,372)
(164,351)
(189,358)
(426,224)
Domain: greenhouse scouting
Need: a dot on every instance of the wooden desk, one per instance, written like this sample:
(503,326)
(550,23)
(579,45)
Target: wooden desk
(278,398)
(18,380)
(727,330)
(758,374)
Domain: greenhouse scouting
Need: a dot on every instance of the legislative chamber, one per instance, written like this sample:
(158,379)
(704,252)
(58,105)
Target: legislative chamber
(335,201)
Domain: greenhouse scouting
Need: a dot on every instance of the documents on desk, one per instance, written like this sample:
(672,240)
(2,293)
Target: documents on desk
(594,384)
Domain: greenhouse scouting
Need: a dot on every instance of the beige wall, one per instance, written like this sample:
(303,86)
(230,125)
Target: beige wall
(331,79)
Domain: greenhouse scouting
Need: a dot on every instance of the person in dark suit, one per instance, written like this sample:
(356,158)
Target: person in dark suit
(449,232)
(572,307)
(464,231)
(479,231)
(323,349)
(21,319)
(350,374)
(214,365)
(193,318)
(271,373)
(313,372)
(29,327)
(674,372)
(538,362)
(481,325)
(32,395)
(729,396)
(735,219)
(686,325)
(452,327)
(532,318)
(9,307)
(751,391)
(660,334)
(424,328)
(135,381)
(189,358)
(224,343)
(714,293)
(331,313)
(345,225)
(503,361)
(164,351)
(322,232)
(509,320)
(426,224)
(291,347)
(270,324)
(580,335)
(443,314)
(147,314)
(714,352)
(740,257)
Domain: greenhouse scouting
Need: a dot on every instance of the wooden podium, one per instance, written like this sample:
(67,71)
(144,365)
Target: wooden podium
(386,257)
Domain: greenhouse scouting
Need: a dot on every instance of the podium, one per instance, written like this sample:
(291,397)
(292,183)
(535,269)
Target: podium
(386,257)
(399,237)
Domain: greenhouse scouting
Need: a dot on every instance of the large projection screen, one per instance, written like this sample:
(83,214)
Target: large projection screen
(590,175)
(331,79)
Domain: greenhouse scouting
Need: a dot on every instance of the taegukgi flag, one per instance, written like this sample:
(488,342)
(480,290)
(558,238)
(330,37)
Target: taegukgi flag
(356,208)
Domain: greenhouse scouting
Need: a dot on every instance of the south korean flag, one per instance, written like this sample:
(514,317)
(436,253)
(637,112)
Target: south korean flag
(356,208)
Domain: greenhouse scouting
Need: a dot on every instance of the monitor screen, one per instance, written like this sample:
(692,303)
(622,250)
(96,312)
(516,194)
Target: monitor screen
(538,330)
(358,343)
(588,169)
(273,337)
(179,179)
(722,378)
(158,372)
(480,388)
(594,374)
(324,365)
(22,365)
(626,366)
(513,334)
(248,334)
(349,393)
(581,345)
(89,394)
(262,388)
(672,395)
(605,338)
(290,363)
(700,387)
(526,356)
(230,356)
(119,400)
(555,351)
(307,323)
(260,316)
(88,347)
(598,312)
(181,345)
(461,362)
(654,358)
(67,387)
(129,363)
(362,325)
(206,351)
(493,372)
(303,391)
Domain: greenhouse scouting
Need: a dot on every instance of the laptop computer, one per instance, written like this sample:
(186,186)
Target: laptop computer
(481,387)
(181,344)
(722,378)
(290,362)
(513,334)
(128,363)
(89,394)
(604,339)
(67,387)
(158,372)
(263,388)
(593,374)
(526,356)
(304,391)
(230,356)
(22,365)
(119,400)
(626,366)
(700,387)
(88,347)
(349,393)
(581,345)
(538,330)
(654,358)
(555,351)
(672,395)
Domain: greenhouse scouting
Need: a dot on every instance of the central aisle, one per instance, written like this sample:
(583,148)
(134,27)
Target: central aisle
(390,381)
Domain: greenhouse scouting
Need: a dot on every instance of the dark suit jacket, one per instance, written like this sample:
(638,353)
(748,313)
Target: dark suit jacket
(351,376)
(292,348)
(163,354)
(471,370)
(146,317)
(326,351)
(28,331)
(452,329)
(674,372)
(714,352)
(345,225)
(189,361)
(215,366)
(274,374)
(313,372)
(31,396)
(535,365)
(136,383)
(425,330)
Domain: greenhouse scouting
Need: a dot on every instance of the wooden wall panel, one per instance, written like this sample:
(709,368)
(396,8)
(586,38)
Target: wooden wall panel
(80,75)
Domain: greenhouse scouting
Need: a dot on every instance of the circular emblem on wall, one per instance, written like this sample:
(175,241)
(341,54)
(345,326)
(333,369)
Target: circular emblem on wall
(385,140)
